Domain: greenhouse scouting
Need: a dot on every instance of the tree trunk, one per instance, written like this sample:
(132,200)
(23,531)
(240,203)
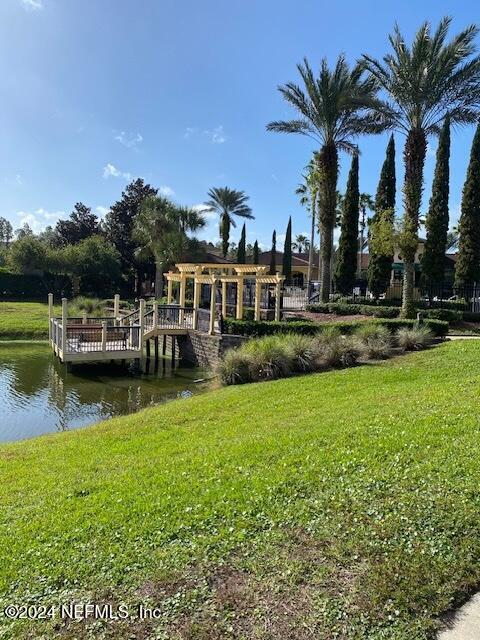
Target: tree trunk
(328,170)
(414,158)
(158,280)
(312,243)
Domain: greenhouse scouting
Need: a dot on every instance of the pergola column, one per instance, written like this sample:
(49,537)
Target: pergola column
(278,293)
(258,296)
(181,301)
(213,291)
(240,298)
(116,307)
(224,298)
(196,300)
(169,288)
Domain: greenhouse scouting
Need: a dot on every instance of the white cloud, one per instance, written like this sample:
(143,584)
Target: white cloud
(101,211)
(32,4)
(129,140)
(189,131)
(216,135)
(165,191)
(110,171)
(40,218)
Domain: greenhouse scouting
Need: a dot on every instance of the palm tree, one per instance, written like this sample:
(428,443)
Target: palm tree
(333,110)
(301,243)
(161,229)
(308,192)
(423,82)
(365,203)
(228,203)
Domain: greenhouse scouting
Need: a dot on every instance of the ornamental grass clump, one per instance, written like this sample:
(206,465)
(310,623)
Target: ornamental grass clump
(332,349)
(376,341)
(300,352)
(414,339)
(235,367)
(269,357)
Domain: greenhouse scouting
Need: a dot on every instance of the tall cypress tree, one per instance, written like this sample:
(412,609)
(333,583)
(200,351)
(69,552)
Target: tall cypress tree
(436,221)
(287,253)
(348,244)
(241,247)
(255,252)
(380,262)
(273,255)
(467,268)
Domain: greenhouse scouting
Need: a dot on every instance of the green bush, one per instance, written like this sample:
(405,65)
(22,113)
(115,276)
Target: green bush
(322,307)
(444,314)
(471,316)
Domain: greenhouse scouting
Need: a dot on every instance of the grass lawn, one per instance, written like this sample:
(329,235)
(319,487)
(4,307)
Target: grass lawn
(24,320)
(336,505)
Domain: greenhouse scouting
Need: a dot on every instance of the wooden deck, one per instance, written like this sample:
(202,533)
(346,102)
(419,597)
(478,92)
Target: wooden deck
(120,337)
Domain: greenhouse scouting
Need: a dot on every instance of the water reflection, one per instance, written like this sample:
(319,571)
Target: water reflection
(39,396)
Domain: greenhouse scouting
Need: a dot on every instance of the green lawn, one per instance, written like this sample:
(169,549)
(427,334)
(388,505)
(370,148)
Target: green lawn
(24,320)
(337,505)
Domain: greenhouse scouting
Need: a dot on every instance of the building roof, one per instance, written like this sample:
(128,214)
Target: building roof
(213,258)
(298,259)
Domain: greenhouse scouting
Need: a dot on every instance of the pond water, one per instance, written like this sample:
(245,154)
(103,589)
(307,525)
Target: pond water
(37,395)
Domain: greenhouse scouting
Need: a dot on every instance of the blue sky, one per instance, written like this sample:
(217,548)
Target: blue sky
(95,92)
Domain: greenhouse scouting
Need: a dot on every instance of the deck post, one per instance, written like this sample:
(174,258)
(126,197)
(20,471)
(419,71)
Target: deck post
(141,319)
(258,299)
(240,298)
(50,315)
(116,307)
(84,317)
(278,293)
(169,289)
(64,326)
(224,298)
(155,314)
(213,292)
(104,336)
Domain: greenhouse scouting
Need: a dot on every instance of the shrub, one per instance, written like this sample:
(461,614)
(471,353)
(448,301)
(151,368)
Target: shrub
(323,307)
(443,314)
(248,313)
(376,340)
(471,316)
(381,312)
(413,338)
(234,368)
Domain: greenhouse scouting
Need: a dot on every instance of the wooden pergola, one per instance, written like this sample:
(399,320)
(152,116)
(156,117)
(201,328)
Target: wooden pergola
(224,273)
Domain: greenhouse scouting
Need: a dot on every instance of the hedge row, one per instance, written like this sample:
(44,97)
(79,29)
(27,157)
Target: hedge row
(454,305)
(352,309)
(257,329)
